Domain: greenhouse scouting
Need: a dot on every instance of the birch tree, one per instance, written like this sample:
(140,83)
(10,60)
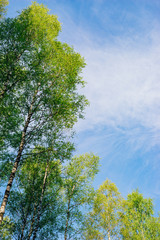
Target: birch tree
(51,197)
(137,220)
(34,200)
(40,97)
(78,192)
(103,221)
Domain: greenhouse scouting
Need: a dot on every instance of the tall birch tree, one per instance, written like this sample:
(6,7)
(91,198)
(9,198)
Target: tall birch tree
(40,90)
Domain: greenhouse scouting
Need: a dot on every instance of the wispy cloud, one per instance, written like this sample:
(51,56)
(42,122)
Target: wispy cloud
(123,85)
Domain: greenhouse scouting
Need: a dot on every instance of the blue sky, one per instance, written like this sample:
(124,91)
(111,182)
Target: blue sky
(119,40)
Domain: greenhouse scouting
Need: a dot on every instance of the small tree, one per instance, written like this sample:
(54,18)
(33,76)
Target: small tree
(103,221)
(137,219)
(78,192)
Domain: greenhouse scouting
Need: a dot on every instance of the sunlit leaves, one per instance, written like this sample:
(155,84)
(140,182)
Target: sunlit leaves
(102,222)
(3,4)
(77,191)
(137,221)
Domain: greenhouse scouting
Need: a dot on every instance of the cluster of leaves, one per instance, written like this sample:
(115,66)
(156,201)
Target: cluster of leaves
(3,4)
(113,217)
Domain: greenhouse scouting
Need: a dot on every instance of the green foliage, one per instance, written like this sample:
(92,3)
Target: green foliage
(6,229)
(152,230)
(112,217)
(102,222)
(34,202)
(67,189)
(77,191)
(40,25)
(137,219)
(32,59)
(3,4)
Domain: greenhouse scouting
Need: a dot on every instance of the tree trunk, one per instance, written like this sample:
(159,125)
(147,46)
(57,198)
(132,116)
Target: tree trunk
(24,224)
(41,199)
(109,236)
(22,230)
(32,223)
(15,167)
(68,213)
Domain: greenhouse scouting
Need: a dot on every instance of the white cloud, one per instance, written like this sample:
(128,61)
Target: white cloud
(123,85)
(123,79)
